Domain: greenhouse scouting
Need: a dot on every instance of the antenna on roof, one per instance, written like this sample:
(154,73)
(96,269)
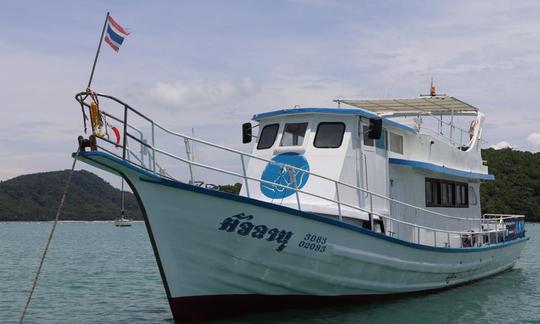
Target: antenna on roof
(432,91)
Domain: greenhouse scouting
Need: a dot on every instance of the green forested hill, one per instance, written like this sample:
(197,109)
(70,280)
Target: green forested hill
(516,189)
(37,196)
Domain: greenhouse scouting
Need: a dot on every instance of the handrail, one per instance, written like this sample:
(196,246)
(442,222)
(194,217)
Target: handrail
(81,97)
(316,175)
(449,138)
(505,216)
(310,194)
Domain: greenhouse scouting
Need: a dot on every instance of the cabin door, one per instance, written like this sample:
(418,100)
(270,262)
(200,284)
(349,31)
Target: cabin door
(400,190)
(375,168)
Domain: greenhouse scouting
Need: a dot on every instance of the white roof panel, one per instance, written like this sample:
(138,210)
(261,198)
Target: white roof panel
(440,104)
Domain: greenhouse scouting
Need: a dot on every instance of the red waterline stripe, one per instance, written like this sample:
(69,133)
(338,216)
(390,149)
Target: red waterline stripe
(202,308)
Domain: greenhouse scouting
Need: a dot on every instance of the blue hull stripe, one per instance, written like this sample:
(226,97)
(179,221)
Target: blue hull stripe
(153,178)
(442,169)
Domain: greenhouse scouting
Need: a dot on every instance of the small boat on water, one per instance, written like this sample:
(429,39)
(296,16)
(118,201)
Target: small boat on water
(122,222)
(337,204)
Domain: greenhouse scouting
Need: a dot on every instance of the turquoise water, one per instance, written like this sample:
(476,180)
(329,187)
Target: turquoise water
(98,273)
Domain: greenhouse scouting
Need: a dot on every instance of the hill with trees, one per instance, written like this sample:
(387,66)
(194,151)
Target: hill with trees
(516,189)
(35,197)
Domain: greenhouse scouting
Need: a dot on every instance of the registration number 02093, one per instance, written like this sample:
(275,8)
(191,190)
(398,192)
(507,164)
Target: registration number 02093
(313,242)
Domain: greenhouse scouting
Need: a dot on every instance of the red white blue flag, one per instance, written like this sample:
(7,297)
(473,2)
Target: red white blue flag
(115,34)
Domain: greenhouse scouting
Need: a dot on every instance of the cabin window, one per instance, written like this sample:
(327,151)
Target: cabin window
(443,193)
(396,143)
(433,196)
(462,191)
(451,191)
(367,141)
(268,136)
(293,134)
(329,135)
(382,142)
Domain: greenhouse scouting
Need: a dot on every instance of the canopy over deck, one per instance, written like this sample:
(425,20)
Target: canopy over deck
(438,105)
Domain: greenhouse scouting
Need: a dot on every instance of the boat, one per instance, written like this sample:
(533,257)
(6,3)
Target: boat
(364,200)
(122,221)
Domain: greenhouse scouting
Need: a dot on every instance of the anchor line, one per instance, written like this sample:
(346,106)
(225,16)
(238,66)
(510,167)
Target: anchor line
(51,234)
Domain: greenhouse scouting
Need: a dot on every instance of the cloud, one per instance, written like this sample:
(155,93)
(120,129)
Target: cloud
(246,62)
(201,92)
(502,145)
(534,139)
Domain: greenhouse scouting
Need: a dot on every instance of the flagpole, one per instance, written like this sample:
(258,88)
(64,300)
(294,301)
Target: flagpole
(97,53)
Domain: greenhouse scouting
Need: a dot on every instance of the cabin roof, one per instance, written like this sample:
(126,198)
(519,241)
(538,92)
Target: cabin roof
(332,111)
(439,104)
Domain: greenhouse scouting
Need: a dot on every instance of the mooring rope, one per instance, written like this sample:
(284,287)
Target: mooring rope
(66,188)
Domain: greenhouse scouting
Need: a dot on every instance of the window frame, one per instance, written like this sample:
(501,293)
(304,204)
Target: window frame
(273,141)
(366,141)
(340,140)
(303,137)
(391,141)
(446,194)
(383,140)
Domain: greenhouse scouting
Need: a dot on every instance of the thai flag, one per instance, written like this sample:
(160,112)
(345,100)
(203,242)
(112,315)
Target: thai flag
(115,34)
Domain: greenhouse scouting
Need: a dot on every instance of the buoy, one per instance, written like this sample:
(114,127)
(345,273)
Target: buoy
(116,134)
(96,119)
(94,115)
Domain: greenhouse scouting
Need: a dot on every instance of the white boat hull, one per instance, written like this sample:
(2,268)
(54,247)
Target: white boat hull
(220,253)
(122,223)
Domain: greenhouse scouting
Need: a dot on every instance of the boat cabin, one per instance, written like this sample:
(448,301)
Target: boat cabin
(388,148)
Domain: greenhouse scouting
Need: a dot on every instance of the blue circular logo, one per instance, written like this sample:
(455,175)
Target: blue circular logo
(282,176)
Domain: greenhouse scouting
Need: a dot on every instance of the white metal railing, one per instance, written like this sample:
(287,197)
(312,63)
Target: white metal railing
(487,231)
(453,130)
(449,132)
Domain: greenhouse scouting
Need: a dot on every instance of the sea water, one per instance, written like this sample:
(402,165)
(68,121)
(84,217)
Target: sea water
(98,273)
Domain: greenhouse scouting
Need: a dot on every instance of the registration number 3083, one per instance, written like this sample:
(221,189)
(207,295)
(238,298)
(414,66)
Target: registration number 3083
(313,242)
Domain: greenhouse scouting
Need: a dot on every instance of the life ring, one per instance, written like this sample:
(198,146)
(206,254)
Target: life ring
(116,134)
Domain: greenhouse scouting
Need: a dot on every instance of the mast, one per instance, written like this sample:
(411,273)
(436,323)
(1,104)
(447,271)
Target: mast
(122,212)
(97,52)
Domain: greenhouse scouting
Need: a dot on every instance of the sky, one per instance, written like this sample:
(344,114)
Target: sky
(211,65)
